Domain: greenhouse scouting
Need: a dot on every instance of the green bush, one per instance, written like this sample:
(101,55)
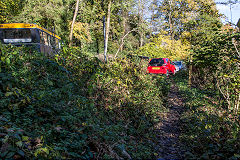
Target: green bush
(74,106)
(208,130)
(132,98)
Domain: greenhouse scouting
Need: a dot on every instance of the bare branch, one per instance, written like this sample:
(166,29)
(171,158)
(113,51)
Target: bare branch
(235,46)
(122,41)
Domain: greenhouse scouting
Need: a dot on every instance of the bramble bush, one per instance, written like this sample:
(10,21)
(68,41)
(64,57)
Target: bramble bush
(74,106)
(132,98)
(42,109)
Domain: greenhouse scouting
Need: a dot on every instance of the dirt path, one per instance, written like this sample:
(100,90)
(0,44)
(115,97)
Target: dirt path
(169,128)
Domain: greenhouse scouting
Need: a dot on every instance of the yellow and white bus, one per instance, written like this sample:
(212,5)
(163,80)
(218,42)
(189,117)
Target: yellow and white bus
(30,35)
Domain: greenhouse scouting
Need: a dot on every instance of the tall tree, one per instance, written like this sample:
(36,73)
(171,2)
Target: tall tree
(140,21)
(107,30)
(73,21)
(143,29)
(176,14)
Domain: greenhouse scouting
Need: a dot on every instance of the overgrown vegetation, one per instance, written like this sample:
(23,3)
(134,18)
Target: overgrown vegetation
(209,130)
(74,106)
(216,61)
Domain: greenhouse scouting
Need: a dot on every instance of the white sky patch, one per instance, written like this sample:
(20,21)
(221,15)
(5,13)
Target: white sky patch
(222,7)
(231,15)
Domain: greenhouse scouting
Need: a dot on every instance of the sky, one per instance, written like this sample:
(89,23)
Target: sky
(225,9)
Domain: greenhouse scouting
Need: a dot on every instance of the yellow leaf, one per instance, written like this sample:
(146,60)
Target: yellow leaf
(25,138)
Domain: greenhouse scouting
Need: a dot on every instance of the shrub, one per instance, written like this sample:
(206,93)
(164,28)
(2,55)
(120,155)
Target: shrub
(73,106)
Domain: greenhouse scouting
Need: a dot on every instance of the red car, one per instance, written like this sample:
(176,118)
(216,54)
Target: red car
(161,66)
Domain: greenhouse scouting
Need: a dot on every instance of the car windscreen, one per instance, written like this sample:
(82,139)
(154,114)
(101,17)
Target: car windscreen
(17,35)
(178,63)
(156,62)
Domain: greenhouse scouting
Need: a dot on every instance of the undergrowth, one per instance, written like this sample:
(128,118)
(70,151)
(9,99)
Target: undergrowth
(72,106)
(209,130)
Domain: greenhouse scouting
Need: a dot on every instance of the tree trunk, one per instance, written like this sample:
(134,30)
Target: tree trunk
(97,43)
(237,103)
(124,28)
(107,30)
(103,21)
(74,19)
(190,73)
(170,20)
(140,13)
(152,21)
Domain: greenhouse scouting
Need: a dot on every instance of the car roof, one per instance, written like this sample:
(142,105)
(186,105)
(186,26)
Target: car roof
(159,58)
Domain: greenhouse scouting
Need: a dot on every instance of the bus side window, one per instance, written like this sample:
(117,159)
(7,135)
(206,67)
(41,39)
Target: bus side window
(56,43)
(59,44)
(53,43)
(44,36)
(41,37)
(49,39)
